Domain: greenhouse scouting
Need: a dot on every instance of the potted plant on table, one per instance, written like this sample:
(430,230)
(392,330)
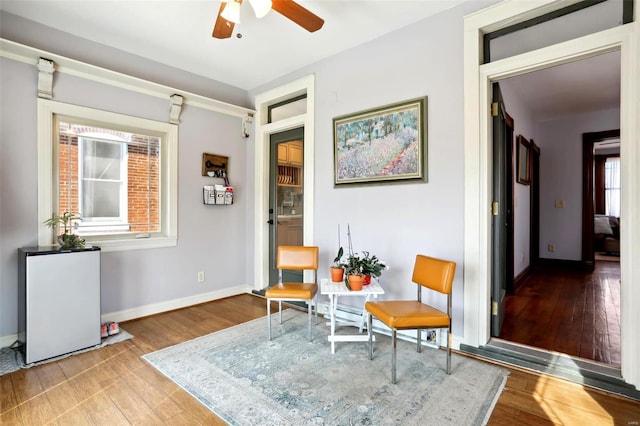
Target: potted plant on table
(337,269)
(354,276)
(371,267)
(67,240)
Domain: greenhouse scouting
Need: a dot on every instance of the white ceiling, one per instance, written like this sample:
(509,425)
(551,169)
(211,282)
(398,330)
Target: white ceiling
(577,87)
(178,33)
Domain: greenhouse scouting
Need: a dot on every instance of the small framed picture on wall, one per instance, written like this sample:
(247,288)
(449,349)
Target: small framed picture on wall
(523,162)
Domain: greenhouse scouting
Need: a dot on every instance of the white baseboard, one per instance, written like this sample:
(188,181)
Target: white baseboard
(343,312)
(156,308)
(169,305)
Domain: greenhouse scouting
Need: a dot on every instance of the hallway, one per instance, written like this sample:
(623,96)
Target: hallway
(568,311)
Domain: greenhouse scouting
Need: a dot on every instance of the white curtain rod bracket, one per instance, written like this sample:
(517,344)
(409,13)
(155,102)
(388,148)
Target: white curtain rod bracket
(175,109)
(46,67)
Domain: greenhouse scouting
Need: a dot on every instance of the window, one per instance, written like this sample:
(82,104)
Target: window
(287,108)
(575,20)
(103,181)
(612,186)
(118,172)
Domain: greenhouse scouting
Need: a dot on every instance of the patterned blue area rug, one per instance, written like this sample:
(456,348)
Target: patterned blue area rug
(247,380)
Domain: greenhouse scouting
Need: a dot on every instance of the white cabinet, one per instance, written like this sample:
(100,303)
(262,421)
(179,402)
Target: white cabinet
(58,301)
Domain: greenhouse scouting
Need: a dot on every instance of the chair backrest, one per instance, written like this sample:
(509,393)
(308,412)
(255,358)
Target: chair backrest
(436,274)
(297,258)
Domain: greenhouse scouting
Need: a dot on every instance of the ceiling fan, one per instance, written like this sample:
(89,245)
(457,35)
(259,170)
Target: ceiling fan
(229,15)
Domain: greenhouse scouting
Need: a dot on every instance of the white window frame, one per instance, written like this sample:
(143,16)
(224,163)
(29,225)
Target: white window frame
(119,223)
(608,190)
(48,179)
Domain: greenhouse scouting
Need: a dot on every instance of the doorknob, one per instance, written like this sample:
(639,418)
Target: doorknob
(270,221)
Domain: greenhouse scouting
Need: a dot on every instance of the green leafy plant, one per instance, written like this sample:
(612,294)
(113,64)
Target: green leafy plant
(353,266)
(68,220)
(361,265)
(371,265)
(337,262)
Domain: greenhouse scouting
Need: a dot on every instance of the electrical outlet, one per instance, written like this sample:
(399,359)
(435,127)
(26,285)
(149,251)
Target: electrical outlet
(551,247)
(201,276)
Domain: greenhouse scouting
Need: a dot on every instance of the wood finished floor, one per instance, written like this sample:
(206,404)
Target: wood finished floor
(571,312)
(114,386)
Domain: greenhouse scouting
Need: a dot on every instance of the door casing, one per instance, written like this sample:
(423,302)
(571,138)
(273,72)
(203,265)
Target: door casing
(263,131)
(477,81)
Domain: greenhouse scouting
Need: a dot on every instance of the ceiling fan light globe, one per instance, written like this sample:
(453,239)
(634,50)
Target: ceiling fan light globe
(231,12)
(260,7)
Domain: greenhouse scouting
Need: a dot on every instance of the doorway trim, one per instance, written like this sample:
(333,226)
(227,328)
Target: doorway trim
(478,157)
(263,131)
(588,141)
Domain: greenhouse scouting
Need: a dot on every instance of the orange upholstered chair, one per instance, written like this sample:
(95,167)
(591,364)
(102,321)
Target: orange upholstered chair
(435,274)
(294,258)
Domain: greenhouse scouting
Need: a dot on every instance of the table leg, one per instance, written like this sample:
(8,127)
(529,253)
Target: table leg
(332,309)
(363,317)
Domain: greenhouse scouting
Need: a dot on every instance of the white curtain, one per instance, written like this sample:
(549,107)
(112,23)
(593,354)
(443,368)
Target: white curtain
(612,186)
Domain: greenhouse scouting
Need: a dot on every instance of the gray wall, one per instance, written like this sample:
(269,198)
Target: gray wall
(560,144)
(212,239)
(523,122)
(396,222)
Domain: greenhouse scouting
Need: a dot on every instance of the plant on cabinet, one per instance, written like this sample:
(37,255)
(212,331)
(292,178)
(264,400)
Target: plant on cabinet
(67,239)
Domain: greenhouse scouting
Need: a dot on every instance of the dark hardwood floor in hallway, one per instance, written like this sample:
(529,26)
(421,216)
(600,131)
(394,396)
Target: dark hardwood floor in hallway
(568,311)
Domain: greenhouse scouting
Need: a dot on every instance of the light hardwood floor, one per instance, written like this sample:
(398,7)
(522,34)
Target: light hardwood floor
(113,385)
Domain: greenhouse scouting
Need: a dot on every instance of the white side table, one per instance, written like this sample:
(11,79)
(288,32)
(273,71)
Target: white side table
(335,290)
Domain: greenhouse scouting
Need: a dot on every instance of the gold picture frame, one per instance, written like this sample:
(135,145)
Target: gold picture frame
(523,161)
(382,144)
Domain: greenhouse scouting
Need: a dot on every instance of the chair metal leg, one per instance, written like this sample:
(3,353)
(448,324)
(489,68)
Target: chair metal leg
(280,311)
(269,319)
(419,340)
(309,319)
(449,350)
(370,332)
(317,308)
(393,356)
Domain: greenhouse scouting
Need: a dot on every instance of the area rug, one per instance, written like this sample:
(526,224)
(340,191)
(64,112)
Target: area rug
(247,380)
(12,360)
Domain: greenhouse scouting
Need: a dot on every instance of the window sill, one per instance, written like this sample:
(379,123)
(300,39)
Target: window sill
(137,244)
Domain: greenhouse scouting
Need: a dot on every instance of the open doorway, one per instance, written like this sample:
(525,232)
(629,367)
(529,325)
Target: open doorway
(601,197)
(560,302)
(286,197)
(478,79)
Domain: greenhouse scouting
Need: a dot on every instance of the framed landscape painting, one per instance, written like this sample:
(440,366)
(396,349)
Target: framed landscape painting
(380,145)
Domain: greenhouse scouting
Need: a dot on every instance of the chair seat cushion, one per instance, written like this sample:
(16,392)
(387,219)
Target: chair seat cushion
(291,291)
(407,314)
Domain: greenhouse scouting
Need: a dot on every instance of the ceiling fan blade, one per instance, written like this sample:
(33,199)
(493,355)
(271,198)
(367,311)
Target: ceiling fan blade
(222,28)
(298,14)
